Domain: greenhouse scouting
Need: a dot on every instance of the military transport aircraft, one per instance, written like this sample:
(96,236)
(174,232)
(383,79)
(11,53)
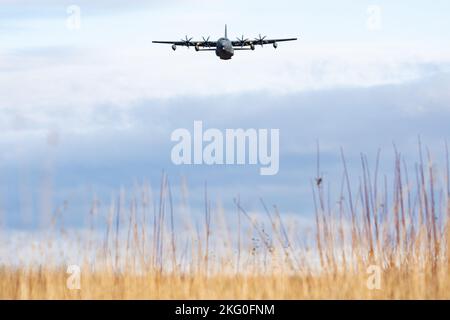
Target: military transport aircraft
(224,47)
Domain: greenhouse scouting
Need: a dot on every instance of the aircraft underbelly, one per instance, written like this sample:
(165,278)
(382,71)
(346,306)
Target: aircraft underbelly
(224,54)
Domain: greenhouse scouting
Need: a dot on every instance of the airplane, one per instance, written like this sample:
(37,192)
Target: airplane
(224,47)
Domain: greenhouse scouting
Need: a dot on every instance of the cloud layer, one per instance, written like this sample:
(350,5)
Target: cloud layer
(86,112)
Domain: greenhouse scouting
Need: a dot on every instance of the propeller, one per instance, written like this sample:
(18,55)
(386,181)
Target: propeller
(187,41)
(206,42)
(260,40)
(242,41)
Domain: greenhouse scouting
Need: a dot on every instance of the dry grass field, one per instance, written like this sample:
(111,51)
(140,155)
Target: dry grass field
(384,238)
(396,284)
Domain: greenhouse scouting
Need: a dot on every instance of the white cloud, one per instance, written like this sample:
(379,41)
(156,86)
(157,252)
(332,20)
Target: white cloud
(39,85)
(113,97)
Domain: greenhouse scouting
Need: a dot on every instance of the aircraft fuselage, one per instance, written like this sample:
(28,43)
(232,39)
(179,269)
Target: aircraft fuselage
(224,49)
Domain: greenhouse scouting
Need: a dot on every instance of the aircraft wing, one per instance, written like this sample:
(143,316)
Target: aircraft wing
(203,44)
(260,41)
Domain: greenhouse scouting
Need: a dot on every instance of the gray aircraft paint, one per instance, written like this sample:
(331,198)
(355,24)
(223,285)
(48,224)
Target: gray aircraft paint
(224,47)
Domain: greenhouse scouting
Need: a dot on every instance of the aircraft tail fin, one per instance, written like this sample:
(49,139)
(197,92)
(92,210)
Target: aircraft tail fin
(226,32)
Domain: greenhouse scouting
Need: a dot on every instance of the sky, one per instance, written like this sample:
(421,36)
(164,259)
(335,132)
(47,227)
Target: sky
(86,111)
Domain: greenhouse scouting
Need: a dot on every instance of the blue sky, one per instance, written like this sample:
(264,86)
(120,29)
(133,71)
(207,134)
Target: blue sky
(88,111)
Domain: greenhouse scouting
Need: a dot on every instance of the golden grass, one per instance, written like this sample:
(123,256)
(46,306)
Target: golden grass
(48,284)
(396,229)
